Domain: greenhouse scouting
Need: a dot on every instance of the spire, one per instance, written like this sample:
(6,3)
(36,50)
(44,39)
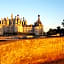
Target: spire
(7,18)
(7,21)
(38,21)
(23,18)
(1,21)
(23,21)
(17,16)
(38,18)
(16,20)
(11,16)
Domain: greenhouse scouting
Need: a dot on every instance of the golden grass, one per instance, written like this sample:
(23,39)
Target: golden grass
(31,51)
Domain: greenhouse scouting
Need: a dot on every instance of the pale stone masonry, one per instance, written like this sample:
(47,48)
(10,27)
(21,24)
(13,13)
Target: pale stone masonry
(19,26)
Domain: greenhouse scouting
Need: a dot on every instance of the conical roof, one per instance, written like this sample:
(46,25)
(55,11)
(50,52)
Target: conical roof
(38,22)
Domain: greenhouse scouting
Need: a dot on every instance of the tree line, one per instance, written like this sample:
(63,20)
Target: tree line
(57,32)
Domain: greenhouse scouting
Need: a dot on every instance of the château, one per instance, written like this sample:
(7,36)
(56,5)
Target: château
(20,26)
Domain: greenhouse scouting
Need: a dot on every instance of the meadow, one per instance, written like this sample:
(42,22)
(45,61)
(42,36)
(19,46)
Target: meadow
(32,51)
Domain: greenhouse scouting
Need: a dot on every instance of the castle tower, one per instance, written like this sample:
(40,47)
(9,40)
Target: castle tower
(7,21)
(19,21)
(1,21)
(23,21)
(38,21)
(16,20)
(11,18)
(17,16)
(38,29)
(38,18)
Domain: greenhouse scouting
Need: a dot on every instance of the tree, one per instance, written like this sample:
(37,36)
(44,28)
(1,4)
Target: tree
(51,32)
(63,23)
(58,29)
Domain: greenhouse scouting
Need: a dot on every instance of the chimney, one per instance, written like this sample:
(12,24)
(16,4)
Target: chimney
(23,18)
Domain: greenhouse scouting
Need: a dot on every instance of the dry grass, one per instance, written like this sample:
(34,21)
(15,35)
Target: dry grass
(32,51)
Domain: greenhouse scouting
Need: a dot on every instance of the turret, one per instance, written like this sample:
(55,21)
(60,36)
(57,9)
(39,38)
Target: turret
(23,21)
(4,21)
(7,21)
(12,18)
(17,16)
(38,21)
(1,21)
(16,20)
(38,18)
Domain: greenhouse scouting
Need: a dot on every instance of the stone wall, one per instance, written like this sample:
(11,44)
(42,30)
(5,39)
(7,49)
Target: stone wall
(30,51)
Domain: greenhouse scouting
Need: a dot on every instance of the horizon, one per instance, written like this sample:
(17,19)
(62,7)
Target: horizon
(51,12)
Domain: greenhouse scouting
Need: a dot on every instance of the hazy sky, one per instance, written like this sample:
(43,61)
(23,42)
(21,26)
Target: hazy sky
(51,11)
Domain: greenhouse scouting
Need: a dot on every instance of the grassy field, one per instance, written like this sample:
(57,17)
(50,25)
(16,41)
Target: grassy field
(32,51)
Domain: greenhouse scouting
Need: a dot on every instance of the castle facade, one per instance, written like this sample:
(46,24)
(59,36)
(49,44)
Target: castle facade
(19,26)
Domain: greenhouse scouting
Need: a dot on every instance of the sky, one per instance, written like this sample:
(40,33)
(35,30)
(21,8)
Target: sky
(51,11)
